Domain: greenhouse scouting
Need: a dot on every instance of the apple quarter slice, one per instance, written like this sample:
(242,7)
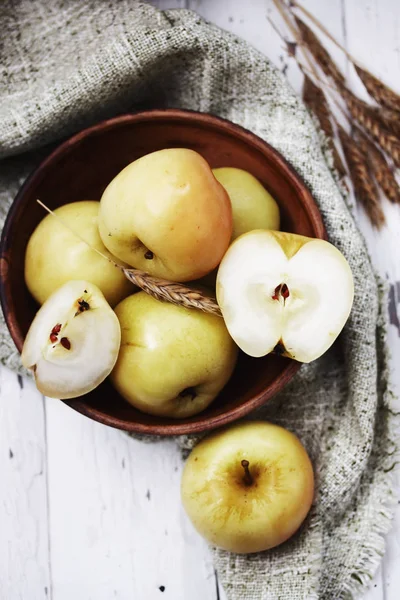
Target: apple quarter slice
(281,289)
(73,341)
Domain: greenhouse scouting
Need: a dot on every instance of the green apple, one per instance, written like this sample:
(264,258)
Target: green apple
(286,292)
(55,255)
(252,206)
(248,488)
(173,361)
(166,214)
(73,341)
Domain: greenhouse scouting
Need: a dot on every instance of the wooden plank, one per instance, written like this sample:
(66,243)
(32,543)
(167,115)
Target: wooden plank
(248,20)
(117,526)
(24,551)
(112,499)
(379,23)
(180,558)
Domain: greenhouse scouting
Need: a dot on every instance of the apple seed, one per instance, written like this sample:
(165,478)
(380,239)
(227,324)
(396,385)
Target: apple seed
(285,291)
(65,343)
(54,333)
(82,306)
(281,290)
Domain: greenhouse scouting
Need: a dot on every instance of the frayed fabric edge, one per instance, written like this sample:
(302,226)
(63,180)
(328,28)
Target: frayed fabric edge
(373,548)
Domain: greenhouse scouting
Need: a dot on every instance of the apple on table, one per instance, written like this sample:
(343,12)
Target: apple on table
(248,487)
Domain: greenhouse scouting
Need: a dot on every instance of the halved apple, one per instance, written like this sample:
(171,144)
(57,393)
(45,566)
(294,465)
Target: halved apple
(286,292)
(73,342)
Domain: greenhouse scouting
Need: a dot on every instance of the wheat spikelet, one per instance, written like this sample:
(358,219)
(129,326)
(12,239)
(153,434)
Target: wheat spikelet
(379,166)
(161,289)
(172,292)
(338,163)
(390,119)
(378,90)
(366,117)
(319,53)
(364,186)
(314,98)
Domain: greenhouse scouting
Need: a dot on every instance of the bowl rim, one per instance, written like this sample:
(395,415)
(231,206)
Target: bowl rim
(202,423)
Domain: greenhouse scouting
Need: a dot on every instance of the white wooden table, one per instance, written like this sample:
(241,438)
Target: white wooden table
(87,513)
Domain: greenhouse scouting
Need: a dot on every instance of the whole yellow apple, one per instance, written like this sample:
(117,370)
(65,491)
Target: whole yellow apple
(248,488)
(173,361)
(166,214)
(252,206)
(55,255)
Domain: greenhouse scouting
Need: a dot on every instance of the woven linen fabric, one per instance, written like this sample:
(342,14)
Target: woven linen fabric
(65,65)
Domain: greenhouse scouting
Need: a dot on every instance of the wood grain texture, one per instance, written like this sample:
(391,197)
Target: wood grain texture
(118,529)
(101,520)
(24,529)
(380,22)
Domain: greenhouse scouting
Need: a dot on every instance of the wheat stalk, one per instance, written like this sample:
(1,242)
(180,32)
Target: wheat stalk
(161,289)
(321,27)
(380,92)
(365,115)
(176,293)
(320,54)
(314,98)
(364,185)
(368,165)
(390,119)
(379,166)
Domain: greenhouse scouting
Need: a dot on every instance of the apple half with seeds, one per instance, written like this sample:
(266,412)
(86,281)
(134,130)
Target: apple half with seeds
(284,292)
(73,342)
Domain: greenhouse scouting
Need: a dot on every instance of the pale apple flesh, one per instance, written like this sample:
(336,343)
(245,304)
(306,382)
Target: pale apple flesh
(249,487)
(280,289)
(253,207)
(173,361)
(56,255)
(73,342)
(166,214)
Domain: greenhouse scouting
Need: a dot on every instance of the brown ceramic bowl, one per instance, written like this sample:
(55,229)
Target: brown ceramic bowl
(81,168)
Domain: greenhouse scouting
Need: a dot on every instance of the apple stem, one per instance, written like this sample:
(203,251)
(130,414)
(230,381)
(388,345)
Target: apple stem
(188,392)
(248,479)
(107,258)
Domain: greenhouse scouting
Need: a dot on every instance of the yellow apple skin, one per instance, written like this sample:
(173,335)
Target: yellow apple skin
(252,206)
(166,214)
(173,361)
(248,518)
(55,255)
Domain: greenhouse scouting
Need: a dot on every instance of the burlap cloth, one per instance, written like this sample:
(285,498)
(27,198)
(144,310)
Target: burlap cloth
(65,65)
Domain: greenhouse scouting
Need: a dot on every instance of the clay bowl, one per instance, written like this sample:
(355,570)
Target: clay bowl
(81,168)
